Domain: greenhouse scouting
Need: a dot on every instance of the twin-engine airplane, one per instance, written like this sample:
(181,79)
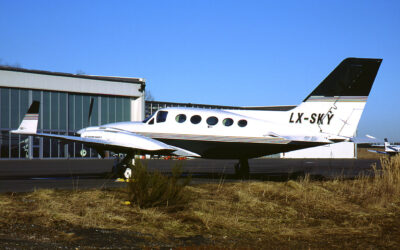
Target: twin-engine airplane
(330,114)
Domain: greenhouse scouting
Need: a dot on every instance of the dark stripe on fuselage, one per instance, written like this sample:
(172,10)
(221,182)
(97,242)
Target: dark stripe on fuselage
(234,150)
(229,147)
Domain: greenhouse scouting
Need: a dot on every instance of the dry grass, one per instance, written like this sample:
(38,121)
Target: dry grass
(359,213)
(363,153)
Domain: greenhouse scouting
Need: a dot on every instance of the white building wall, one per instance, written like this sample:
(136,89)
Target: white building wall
(336,150)
(137,109)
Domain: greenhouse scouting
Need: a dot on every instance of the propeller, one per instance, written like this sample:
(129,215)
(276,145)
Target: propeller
(90,109)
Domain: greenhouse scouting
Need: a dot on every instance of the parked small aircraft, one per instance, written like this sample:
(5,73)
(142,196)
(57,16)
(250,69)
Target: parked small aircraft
(330,114)
(390,150)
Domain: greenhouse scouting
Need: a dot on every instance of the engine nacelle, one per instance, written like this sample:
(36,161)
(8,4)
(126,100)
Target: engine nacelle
(125,139)
(97,134)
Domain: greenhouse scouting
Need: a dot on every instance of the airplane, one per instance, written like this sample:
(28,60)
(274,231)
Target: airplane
(390,150)
(329,114)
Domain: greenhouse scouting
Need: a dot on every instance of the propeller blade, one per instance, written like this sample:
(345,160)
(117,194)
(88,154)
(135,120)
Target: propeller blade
(90,109)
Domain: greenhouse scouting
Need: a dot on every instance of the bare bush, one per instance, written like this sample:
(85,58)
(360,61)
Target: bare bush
(151,189)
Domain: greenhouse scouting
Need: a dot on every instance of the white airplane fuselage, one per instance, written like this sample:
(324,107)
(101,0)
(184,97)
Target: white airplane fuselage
(392,149)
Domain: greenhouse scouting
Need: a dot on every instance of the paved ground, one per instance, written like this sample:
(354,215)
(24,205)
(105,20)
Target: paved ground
(27,175)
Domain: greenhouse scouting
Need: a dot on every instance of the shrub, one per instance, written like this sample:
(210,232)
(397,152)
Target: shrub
(151,189)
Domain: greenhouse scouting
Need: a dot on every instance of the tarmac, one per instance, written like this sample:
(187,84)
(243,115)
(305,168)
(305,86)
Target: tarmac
(28,175)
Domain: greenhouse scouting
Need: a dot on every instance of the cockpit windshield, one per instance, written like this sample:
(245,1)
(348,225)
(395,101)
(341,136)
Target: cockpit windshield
(148,118)
(161,116)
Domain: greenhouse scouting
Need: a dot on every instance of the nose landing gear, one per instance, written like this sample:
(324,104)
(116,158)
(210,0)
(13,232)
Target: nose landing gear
(121,168)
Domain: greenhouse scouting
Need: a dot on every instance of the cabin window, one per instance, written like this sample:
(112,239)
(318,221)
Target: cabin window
(161,116)
(212,120)
(196,119)
(180,118)
(227,122)
(242,123)
(151,122)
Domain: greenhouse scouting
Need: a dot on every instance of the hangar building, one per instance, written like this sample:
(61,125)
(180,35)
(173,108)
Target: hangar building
(65,100)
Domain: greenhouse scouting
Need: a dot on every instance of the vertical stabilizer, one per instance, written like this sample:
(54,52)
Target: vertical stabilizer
(351,79)
(387,145)
(336,105)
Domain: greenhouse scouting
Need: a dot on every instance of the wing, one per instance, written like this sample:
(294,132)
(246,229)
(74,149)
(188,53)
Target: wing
(376,151)
(113,140)
(121,142)
(130,142)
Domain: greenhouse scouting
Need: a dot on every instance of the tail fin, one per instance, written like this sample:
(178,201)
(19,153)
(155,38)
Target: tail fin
(351,79)
(30,121)
(336,105)
(387,144)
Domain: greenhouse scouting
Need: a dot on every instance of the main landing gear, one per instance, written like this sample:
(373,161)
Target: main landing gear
(121,168)
(242,169)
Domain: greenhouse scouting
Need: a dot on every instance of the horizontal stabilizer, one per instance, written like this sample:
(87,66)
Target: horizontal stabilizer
(319,139)
(376,151)
(368,139)
(300,138)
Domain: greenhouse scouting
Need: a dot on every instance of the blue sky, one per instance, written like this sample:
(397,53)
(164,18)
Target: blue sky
(245,53)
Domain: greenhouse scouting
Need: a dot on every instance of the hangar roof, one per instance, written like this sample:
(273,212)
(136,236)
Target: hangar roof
(194,105)
(106,78)
(57,81)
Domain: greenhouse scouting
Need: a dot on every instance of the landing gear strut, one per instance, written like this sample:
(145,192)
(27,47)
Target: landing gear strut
(242,169)
(122,168)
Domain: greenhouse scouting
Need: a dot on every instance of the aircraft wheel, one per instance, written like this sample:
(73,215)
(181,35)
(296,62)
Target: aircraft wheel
(119,170)
(128,173)
(237,169)
(242,169)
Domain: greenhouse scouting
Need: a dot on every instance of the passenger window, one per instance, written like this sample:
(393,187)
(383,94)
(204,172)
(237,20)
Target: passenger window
(161,116)
(227,122)
(196,119)
(180,118)
(151,122)
(242,123)
(212,120)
